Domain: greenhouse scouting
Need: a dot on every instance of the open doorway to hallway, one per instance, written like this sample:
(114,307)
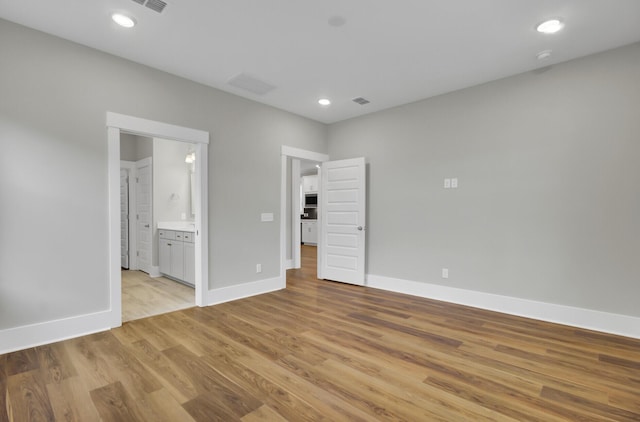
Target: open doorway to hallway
(308,270)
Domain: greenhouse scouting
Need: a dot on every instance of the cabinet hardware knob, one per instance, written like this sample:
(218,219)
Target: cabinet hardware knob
(359,228)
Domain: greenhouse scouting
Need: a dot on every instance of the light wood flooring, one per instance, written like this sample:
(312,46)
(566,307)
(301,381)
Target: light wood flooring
(144,296)
(323,351)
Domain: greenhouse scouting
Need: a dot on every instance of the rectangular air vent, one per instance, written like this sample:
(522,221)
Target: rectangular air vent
(157,5)
(361,101)
(251,84)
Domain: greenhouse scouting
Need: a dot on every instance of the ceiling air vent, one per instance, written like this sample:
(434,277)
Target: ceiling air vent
(361,101)
(157,5)
(251,84)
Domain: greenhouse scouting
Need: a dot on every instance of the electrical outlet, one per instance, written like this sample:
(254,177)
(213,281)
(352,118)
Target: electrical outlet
(447,183)
(445,273)
(258,268)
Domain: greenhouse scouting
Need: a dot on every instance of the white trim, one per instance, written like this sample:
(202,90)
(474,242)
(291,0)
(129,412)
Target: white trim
(618,324)
(303,154)
(154,129)
(241,291)
(202,223)
(287,151)
(289,264)
(130,166)
(115,123)
(154,271)
(115,276)
(145,162)
(32,335)
(283,219)
(295,233)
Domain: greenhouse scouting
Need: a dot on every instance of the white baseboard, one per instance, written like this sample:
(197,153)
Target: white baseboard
(240,291)
(623,325)
(154,272)
(289,264)
(18,338)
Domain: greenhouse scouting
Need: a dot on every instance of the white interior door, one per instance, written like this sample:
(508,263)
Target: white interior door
(143,214)
(342,221)
(124,218)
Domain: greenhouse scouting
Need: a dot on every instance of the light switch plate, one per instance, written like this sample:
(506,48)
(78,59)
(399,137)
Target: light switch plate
(454,183)
(266,216)
(447,183)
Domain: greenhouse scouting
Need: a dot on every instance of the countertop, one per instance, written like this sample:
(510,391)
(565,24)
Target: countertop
(183,226)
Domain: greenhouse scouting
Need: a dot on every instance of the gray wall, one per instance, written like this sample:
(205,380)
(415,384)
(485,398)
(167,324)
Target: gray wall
(53,217)
(548,206)
(134,147)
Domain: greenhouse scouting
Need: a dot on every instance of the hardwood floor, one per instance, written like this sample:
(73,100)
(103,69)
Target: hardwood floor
(327,351)
(144,296)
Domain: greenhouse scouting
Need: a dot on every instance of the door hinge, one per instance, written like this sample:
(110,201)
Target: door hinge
(137,253)
(137,180)
(137,217)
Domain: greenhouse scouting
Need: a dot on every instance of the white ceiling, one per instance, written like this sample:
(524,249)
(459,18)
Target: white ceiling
(390,52)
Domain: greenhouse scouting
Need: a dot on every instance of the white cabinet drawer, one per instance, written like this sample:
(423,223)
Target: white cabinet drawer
(167,234)
(188,237)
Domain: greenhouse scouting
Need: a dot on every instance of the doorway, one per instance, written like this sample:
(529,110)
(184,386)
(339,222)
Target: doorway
(291,194)
(158,178)
(305,183)
(117,123)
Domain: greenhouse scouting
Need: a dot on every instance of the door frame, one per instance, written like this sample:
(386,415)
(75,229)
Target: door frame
(294,153)
(116,123)
(130,166)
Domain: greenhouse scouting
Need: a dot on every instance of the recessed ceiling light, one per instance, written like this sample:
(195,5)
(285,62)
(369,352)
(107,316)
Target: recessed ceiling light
(551,26)
(123,20)
(324,102)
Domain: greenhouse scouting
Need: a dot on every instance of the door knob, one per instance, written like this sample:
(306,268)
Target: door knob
(146,225)
(359,228)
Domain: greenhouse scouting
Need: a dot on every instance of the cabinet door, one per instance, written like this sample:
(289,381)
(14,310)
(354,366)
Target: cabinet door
(310,184)
(305,232)
(305,184)
(164,255)
(313,183)
(177,260)
(313,232)
(189,263)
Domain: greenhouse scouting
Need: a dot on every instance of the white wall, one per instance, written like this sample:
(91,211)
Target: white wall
(53,214)
(548,207)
